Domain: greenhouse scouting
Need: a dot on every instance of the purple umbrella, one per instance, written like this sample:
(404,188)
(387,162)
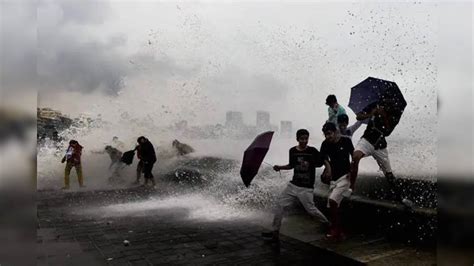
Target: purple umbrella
(373,90)
(253,156)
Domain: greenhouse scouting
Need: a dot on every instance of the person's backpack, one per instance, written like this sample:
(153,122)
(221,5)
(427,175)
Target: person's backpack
(127,157)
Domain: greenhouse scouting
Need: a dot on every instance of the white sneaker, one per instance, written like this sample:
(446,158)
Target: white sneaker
(408,203)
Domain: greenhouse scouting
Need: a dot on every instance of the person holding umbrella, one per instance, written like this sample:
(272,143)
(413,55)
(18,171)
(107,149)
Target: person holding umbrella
(303,159)
(383,116)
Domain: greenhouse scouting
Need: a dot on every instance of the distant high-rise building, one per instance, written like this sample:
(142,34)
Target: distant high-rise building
(234,119)
(286,128)
(263,120)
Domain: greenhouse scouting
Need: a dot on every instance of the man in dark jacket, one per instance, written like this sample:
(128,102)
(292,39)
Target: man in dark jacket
(147,156)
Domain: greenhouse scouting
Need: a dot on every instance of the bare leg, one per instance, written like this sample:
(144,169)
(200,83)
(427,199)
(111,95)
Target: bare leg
(80,177)
(335,219)
(67,172)
(355,167)
(394,185)
(336,232)
(139,171)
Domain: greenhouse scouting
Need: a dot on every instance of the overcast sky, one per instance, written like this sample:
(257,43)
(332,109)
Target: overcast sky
(194,61)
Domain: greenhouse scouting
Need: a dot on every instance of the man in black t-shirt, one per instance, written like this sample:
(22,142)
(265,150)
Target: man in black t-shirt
(337,150)
(303,160)
(383,119)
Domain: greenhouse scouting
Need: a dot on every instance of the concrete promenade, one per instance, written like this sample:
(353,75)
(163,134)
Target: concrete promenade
(67,236)
(158,238)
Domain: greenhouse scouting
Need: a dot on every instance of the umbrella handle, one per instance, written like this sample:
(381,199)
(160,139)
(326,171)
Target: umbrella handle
(272,166)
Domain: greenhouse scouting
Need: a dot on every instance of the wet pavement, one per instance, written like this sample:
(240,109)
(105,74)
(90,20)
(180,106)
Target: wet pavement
(68,235)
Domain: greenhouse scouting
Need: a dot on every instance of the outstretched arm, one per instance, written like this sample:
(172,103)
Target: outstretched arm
(364,115)
(282,167)
(290,165)
(368,112)
(327,167)
(355,126)
(327,173)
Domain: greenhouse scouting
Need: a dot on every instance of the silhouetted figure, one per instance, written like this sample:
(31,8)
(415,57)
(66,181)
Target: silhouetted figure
(182,148)
(146,154)
(115,161)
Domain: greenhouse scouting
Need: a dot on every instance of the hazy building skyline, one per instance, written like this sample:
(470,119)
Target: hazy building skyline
(234,119)
(286,128)
(263,120)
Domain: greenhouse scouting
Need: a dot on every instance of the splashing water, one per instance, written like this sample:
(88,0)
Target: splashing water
(219,194)
(181,78)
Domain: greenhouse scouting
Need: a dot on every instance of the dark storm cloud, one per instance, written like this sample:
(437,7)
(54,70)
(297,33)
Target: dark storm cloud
(88,67)
(66,63)
(46,46)
(41,57)
(70,57)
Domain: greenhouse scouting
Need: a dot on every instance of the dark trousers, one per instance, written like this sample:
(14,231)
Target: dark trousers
(147,167)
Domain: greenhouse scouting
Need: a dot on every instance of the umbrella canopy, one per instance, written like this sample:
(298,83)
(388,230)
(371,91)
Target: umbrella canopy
(253,156)
(373,90)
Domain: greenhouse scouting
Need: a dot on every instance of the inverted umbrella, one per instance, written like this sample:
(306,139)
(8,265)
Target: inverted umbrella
(373,90)
(253,156)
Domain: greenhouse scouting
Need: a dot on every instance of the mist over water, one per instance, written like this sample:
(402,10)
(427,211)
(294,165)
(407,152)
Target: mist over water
(222,195)
(409,158)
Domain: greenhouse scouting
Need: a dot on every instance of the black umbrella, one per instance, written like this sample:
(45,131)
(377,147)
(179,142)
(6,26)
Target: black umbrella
(373,90)
(253,156)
